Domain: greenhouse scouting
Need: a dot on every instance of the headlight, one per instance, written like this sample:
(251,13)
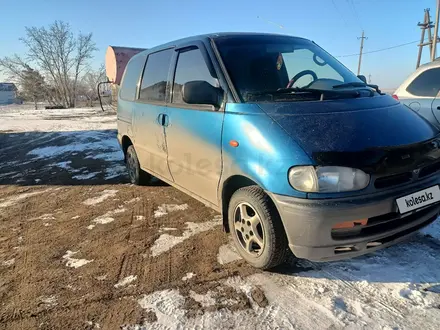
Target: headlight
(327,178)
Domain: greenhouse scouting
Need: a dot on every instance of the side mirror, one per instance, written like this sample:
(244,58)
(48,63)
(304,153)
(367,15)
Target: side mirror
(201,92)
(363,78)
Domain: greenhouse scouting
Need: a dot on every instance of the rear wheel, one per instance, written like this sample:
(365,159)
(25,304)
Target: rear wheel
(136,174)
(256,228)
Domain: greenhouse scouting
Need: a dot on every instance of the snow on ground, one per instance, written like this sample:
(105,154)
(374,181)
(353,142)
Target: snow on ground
(164,209)
(73,262)
(106,218)
(102,197)
(166,242)
(188,276)
(88,132)
(19,118)
(6,202)
(126,281)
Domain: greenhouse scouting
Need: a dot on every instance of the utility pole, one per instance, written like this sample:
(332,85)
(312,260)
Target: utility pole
(360,53)
(369,78)
(426,25)
(434,47)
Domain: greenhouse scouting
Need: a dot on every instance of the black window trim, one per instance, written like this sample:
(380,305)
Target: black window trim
(167,89)
(188,47)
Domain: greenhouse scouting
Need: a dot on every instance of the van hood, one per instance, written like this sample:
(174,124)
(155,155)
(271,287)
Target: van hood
(358,133)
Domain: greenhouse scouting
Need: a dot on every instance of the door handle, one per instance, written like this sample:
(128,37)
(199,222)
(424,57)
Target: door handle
(163,119)
(160,119)
(166,120)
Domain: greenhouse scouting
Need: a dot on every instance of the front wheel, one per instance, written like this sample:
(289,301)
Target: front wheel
(256,228)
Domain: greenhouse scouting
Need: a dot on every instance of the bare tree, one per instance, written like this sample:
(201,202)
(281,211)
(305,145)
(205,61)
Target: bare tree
(59,55)
(89,83)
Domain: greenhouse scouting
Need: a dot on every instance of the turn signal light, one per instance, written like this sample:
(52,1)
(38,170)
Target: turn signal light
(350,224)
(395,97)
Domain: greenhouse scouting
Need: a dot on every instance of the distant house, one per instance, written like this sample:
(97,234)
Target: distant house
(8,93)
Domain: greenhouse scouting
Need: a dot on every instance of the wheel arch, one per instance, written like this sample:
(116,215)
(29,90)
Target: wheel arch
(125,143)
(231,185)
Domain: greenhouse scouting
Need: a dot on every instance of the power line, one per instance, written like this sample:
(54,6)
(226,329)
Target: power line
(356,13)
(381,50)
(340,13)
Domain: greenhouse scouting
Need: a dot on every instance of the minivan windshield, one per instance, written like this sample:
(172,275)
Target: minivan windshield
(260,64)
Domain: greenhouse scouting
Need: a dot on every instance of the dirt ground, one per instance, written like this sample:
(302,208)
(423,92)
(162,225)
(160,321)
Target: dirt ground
(81,248)
(45,215)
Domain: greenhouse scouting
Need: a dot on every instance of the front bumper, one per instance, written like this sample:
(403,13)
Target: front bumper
(308,223)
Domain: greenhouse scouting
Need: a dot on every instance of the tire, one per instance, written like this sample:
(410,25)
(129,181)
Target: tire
(253,201)
(136,174)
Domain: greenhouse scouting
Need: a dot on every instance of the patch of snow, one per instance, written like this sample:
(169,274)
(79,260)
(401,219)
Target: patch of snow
(85,176)
(227,254)
(2,175)
(102,197)
(37,180)
(115,171)
(72,262)
(90,227)
(50,300)
(109,156)
(24,119)
(64,165)
(102,277)
(75,217)
(6,202)
(168,305)
(139,217)
(133,200)
(206,300)
(166,242)
(188,276)
(108,217)
(162,229)
(8,263)
(47,224)
(164,209)
(414,295)
(125,281)
(47,216)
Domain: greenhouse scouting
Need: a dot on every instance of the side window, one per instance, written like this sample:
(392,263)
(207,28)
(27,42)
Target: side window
(426,84)
(191,66)
(131,77)
(154,79)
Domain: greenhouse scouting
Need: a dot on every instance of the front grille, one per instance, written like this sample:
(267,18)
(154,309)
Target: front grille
(430,169)
(382,224)
(401,178)
(392,180)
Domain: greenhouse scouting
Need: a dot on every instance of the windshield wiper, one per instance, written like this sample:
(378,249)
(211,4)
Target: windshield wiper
(359,84)
(304,90)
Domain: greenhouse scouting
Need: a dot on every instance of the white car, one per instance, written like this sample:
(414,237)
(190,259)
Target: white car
(420,92)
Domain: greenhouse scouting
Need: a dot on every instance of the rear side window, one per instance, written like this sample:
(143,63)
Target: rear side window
(191,66)
(426,84)
(131,78)
(154,81)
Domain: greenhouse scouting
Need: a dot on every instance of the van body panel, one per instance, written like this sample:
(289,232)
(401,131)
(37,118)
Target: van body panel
(350,124)
(265,151)
(193,139)
(150,142)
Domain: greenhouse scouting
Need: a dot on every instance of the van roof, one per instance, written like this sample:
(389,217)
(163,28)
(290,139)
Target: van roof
(208,36)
